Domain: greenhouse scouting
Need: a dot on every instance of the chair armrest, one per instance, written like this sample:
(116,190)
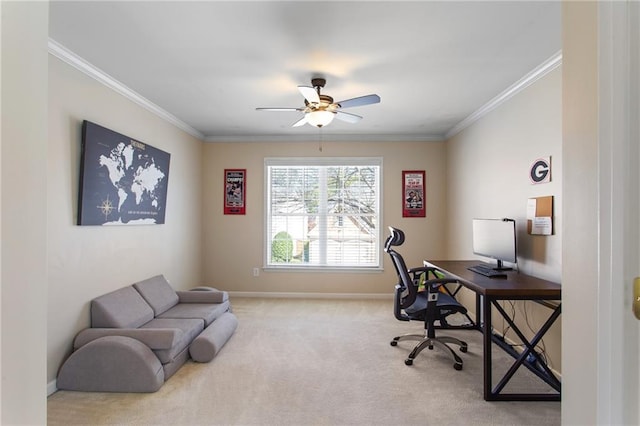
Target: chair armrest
(439,276)
(416,273)
(426,269)
(213,296)
(154,338)
(437,282)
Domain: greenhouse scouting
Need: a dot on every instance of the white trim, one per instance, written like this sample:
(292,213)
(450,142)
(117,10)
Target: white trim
(323,161)
(606,392)
(617,332)
(294,295)
(52,387)
(324,137)
(64,54)
(325,269)
(547,66)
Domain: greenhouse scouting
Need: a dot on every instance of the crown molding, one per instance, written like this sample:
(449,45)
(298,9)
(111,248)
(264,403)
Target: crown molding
(360,137)
(64,54)
(546,67)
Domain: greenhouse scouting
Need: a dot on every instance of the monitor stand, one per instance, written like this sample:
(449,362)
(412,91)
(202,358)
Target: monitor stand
(501,267)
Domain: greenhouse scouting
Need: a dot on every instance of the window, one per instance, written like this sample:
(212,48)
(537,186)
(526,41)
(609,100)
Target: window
(323,213)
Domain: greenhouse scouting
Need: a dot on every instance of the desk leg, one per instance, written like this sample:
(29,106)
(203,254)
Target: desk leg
(486,334)
(479,299)
(546,375)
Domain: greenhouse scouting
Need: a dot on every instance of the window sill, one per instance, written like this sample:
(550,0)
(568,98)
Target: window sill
(324,269)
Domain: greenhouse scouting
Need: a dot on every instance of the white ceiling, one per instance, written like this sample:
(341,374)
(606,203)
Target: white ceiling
(209,64)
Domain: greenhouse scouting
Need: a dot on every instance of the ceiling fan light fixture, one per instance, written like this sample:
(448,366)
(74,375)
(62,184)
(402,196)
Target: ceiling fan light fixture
(320,118)
(320,110)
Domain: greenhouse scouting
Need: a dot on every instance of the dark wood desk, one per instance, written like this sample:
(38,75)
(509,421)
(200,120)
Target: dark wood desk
(489,291)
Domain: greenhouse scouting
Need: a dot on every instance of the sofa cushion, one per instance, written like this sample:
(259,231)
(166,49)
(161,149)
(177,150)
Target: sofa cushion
(191,328)
(123,308)
(158,293)
(213,338)
(154,338)
(208,312)
(202,296)
(174,365)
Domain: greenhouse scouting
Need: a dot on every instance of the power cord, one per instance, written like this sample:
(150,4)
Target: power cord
(540,348)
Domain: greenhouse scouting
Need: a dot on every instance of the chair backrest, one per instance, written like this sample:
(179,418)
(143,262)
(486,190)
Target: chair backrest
(406,293)
(396,238)
(406,290)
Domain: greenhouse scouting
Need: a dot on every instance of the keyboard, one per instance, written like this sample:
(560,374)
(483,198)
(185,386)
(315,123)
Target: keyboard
(487,271)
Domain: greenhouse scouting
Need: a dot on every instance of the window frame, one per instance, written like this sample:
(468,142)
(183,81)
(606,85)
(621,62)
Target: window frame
(319,162)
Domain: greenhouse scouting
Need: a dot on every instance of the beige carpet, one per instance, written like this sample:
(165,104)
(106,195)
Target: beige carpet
(316,362)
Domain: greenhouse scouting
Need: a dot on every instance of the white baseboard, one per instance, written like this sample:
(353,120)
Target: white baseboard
(52,387)
(293,295)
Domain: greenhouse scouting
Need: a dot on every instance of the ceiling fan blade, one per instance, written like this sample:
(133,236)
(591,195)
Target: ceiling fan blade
(279,109)
(309,94)
(349,118)
(360,101)
(300,122)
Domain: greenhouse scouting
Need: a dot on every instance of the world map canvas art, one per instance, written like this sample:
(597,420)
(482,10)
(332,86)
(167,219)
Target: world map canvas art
(122,181)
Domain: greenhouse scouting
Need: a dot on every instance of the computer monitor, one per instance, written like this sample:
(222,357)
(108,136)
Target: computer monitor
(495,239)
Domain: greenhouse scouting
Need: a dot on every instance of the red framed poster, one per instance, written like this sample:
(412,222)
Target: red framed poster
(413,203)
(235,181)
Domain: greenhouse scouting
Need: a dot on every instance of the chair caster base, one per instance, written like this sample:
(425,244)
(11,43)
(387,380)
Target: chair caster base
(408,361)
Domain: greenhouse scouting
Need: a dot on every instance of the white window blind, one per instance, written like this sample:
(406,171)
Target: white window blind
(323,213)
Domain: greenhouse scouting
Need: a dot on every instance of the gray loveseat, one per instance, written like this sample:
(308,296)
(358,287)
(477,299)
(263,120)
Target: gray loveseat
(142,334)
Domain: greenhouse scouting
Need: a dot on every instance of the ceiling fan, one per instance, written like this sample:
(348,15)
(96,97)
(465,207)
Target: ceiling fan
(320,110)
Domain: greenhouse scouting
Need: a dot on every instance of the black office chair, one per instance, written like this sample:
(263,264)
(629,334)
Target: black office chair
(429,306)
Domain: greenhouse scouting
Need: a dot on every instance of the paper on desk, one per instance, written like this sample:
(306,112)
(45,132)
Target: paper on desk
(541,226)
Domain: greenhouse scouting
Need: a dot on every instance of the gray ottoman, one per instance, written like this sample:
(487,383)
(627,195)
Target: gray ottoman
(205,347)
